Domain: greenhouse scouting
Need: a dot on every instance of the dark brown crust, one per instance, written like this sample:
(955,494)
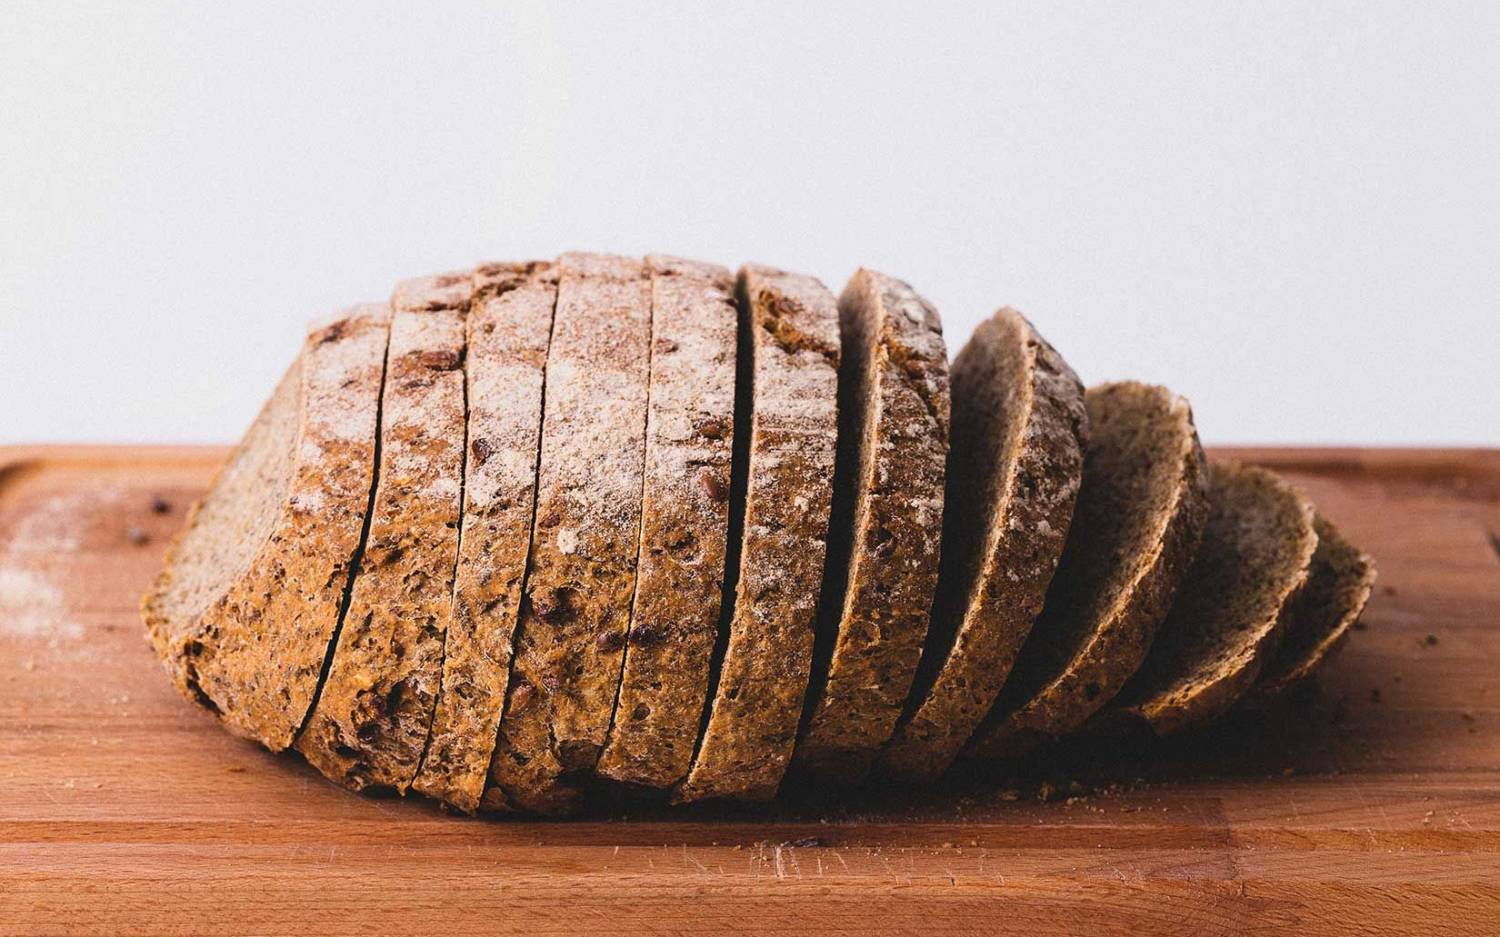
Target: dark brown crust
(752,724)
(507,333)
(888,508)
(1110,594)
(255,652)
(576,606)
(1231,609)
(1338,586)
(1019,429)
(684,525)
(369,724)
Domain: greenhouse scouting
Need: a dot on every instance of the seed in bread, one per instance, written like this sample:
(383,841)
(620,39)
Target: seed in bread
(575,612)
(249,597)
(1019,431)
(887,523)
(785,460)
(368,726)
(509,323)
(1338,585)
(1227,618)
(684,525)
(1138,522)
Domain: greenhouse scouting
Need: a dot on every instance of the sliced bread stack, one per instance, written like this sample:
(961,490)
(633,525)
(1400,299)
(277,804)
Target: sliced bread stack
(541,534)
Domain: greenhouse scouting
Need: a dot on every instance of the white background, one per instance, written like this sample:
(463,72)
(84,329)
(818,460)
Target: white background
(1289,213)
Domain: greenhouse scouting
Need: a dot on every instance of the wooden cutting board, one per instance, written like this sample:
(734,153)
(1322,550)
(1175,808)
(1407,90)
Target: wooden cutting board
(1373,809)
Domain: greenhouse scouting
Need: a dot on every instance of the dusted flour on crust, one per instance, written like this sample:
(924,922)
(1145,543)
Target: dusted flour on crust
(249,597)
(575,611)
(509,325)
(369,725)
(793,348)
(684,525)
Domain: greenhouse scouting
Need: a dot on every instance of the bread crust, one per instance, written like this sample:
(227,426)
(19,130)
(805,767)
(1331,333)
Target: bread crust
(249,645)
(793,349)
(508,330)
(1126,554)
(576,607)
(1019,429)
(369,724)
(684,525)
(1339,583)
(1232,606)
(887,524)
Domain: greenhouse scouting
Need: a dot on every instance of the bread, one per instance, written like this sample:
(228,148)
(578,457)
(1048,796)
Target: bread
(886,529)
(541,533)
(790,347)
(1138,522)
(369,722)
(273,543)
(508,330)
(1019,430)
(1319,618)
(1227,619)
(684,525)
(576,607)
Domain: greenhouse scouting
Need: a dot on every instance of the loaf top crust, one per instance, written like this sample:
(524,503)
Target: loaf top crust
(674,619)
(275,539)
(789,457)
(369,724)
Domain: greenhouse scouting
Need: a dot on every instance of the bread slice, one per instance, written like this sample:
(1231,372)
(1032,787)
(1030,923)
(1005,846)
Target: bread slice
(1319,618)
(1019,431)
(1138,522)
(886,530)
(508,329)
(1226,621)
(684,525)
(576,607)
(784,477)
(249,598)
(369,722)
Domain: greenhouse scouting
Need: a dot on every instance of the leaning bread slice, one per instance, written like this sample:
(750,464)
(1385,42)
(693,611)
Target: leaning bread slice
(249,599)
(1338,585)
(684,525)
(1227,617)
(369,723)
(784,465)
(576,604)
(509,323)
(1019,431)
(1139,519)
(886,530)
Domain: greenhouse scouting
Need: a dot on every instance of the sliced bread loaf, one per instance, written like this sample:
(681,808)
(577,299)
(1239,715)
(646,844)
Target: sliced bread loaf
(508,329)
(1019,431)
(368,726)
(1338,585)
(784,463)
(1226,620)
(576,607)
(887,524)
(249,598)
(684,525)
(1138,522)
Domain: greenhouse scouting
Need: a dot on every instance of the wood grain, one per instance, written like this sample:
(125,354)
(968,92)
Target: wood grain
(1372,809)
